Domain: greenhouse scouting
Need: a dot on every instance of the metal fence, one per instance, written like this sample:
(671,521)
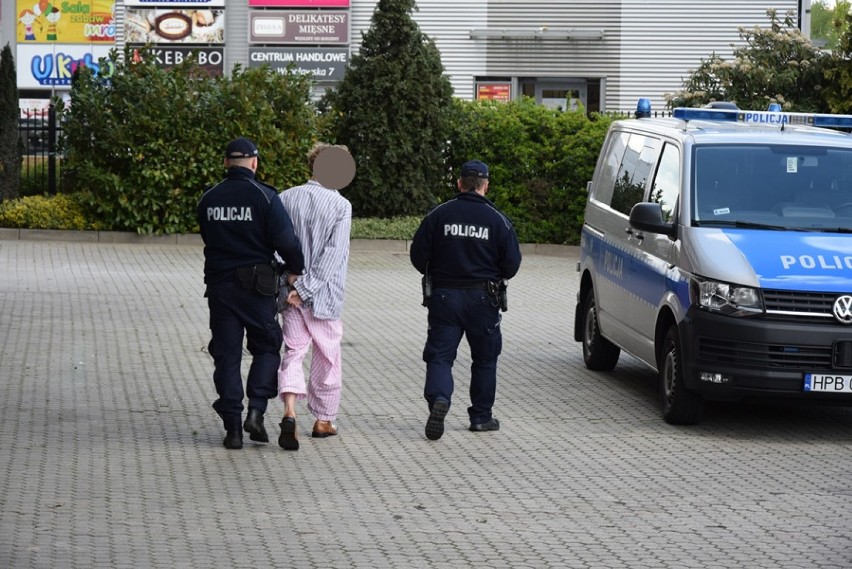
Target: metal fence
(40,134)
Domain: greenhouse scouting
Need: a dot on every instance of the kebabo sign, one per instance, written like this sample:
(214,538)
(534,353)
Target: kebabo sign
(210,59)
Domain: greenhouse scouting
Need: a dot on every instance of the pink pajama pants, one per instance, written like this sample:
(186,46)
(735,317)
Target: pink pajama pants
(301,332)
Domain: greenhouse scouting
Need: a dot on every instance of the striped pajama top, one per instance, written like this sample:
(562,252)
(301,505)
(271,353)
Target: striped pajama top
(322,219)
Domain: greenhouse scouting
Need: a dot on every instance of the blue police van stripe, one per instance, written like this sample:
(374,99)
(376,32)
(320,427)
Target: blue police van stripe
(794,260)
(626,272)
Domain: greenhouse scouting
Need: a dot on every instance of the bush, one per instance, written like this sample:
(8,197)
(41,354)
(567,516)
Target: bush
(539,160)
(62,211)
(393,228)
(148,141)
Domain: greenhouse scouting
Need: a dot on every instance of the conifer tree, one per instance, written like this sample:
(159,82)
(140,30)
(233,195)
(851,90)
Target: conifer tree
(392,111)
(10,145)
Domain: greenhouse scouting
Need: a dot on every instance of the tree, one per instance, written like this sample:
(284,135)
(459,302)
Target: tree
(828,24)
(776,65)
(392,110)
(10,143)
(838,73)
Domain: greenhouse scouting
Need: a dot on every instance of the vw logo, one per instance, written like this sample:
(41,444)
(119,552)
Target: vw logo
(843,309)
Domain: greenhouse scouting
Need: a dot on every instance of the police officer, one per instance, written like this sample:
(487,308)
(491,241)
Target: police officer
(243,224)
(466,247)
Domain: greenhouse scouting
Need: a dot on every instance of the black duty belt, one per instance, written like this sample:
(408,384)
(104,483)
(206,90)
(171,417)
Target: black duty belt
(477,285)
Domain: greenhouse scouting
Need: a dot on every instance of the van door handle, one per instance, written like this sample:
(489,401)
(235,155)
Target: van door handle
(636,234)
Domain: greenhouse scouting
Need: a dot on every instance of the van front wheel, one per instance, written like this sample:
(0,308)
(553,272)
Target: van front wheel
(680,406)
(599,353)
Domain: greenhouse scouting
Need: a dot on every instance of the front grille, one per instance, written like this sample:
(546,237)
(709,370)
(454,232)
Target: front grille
(796,306)
(764,356)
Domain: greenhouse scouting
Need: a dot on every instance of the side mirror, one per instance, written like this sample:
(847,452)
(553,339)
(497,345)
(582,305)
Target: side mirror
(648,216)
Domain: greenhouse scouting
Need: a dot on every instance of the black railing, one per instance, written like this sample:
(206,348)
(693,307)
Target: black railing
(632,114)
(40,133)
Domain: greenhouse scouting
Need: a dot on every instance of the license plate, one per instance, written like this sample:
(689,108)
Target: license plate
(828,383)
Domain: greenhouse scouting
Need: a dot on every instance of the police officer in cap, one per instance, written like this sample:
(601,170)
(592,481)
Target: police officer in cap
(243,224)
(466,247)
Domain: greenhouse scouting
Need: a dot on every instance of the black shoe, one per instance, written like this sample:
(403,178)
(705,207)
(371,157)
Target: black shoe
(254,426)
(492,425)
(288,440)
(435,423)
(233,439)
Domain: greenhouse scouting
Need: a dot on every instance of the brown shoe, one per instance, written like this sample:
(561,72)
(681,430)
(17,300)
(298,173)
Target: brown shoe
(324,429)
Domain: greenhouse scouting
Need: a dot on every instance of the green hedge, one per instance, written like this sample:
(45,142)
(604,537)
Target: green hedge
(140,148)
(146,142)
(539,159)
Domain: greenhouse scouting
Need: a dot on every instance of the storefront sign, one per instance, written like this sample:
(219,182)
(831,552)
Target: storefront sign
(179,3)
(494,91)
(174,26)
(54,65)
(210,59)
(299,3)
(314,27)
(69,21)
(325,64)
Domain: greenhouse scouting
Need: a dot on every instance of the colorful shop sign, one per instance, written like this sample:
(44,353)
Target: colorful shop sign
(494,91)
(299,3)
(325,64)
(65,21)
(54,65)
(177,3)
(168,25)
(299,27)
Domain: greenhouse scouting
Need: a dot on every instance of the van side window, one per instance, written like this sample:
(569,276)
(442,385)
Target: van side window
(602,190)
(636,168)
(666,188)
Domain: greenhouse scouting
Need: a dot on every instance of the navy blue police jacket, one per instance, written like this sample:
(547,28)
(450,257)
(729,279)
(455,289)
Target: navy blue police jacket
(465,241)
(243,222)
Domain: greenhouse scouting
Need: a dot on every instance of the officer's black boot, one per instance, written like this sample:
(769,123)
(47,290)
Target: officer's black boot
(254,426)
(233,439)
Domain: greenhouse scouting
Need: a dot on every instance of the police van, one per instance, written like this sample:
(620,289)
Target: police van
(717,249)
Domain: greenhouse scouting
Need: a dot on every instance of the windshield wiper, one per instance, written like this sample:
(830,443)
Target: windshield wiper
(832,229)
(744,224)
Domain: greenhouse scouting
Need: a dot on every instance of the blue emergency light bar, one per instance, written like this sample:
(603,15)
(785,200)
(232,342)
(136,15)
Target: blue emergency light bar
(763,117)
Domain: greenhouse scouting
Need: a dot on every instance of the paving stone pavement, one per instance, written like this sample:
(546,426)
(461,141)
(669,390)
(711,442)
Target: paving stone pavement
(112,455)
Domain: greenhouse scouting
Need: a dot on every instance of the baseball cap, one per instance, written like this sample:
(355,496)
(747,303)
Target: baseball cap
(241,148)
(474,168)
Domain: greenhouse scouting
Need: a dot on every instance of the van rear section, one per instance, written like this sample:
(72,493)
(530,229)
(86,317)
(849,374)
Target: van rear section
(717,249)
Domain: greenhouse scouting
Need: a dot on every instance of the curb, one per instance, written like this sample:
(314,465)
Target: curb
(357,245)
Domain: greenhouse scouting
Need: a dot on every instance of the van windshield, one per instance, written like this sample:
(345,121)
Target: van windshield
(772,187)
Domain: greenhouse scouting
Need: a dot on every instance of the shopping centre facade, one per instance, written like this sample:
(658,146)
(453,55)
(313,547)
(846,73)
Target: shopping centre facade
(603,54)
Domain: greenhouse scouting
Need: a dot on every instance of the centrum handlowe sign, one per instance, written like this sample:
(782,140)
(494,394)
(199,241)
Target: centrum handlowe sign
(325,64)
(314,27)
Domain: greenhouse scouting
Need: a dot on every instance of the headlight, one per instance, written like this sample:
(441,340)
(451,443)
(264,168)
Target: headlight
(726,298)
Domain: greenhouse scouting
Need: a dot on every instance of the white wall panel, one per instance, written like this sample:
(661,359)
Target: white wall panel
(663,41)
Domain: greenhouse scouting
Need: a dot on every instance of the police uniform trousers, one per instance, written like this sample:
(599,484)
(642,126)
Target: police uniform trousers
(235,312)
(453,313)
